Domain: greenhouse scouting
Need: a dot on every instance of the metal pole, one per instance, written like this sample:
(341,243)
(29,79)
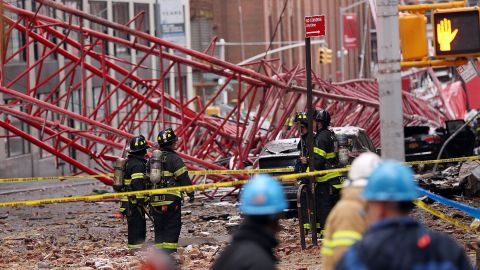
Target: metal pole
(171,81)
(280,49)
(157,19)
(240,15)
(342,49)
(364,41)
(389,81)
(221,50)
(308,58)
(188,37)
(342,53)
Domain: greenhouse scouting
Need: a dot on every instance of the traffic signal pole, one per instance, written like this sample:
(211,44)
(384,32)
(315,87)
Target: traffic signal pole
(389,81)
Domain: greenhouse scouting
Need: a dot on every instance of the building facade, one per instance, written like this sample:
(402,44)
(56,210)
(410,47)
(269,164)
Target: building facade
(248,26)
(18,157)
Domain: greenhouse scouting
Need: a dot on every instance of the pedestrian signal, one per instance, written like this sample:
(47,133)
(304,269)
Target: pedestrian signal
(456,32)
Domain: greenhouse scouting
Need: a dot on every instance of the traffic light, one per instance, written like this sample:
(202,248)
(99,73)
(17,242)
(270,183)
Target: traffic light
(413,36)
(456,32)
(324,55)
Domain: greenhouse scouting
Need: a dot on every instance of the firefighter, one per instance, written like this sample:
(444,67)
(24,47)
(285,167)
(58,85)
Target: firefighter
(327,186)
(166,208)
(393,239)
(262,201)
(346,223)
(301,164)
(135,179)
(302,123)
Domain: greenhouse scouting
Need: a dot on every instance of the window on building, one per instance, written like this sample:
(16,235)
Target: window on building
(76,107)
(76,4)
(16,145)
(373,41)
(16,39)
(99,9)
(145,23)
(39,49)
(126,107)
(120,15)
(50,116)
(96,91)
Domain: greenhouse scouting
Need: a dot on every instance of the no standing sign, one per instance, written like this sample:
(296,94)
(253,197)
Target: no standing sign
(315,26)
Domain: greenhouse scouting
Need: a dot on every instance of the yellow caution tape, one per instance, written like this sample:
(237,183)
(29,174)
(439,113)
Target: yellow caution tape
(286,178)
(441,215)
(204,172)
(233,172)
(149,192)
(446,160)
(61,178)
(291,177)
(246,171)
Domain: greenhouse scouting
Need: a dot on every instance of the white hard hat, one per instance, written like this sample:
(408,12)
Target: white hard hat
(362,166)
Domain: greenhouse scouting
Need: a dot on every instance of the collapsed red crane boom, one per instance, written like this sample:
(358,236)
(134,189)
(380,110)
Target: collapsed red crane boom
(133,97)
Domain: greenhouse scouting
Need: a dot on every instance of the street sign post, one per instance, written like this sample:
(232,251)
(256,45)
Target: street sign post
(314,27)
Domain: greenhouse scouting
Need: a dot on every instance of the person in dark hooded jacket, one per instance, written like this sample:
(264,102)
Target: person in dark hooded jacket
(262,201)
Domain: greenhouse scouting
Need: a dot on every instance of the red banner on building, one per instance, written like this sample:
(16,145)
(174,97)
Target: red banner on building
(349,30)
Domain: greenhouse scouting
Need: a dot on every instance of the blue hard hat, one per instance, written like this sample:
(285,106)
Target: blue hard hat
(391,181)
(262,195)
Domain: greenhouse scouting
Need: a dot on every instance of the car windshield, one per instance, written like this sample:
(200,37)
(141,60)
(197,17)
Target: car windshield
(280,147)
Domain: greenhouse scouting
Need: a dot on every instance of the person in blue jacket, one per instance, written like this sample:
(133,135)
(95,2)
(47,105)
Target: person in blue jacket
(394,240)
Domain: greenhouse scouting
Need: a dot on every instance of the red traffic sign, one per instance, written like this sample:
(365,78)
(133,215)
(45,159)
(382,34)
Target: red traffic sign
(315,26)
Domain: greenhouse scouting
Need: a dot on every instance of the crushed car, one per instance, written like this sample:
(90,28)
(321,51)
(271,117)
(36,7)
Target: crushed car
(284,153)
(424,142)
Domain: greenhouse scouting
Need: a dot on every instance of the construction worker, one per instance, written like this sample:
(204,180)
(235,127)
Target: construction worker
(135,179)
(262,201)
(327,186)
(345,223)
(394,240)
(166,208)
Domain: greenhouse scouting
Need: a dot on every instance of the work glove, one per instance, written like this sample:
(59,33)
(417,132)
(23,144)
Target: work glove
(118,188)
(302,181)
(119,214)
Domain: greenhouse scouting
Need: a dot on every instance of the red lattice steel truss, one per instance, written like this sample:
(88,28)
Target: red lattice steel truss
(265,99)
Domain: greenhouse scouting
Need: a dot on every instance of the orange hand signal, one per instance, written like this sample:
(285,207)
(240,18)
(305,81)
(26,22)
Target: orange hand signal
(445,36)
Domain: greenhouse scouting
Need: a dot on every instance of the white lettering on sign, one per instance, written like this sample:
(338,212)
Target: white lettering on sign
(308,20)
(467,72)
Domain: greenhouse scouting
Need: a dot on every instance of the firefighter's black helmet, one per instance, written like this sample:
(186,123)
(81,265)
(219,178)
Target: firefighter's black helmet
(322,116)
(302,118)
(138,144)
(166,137)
